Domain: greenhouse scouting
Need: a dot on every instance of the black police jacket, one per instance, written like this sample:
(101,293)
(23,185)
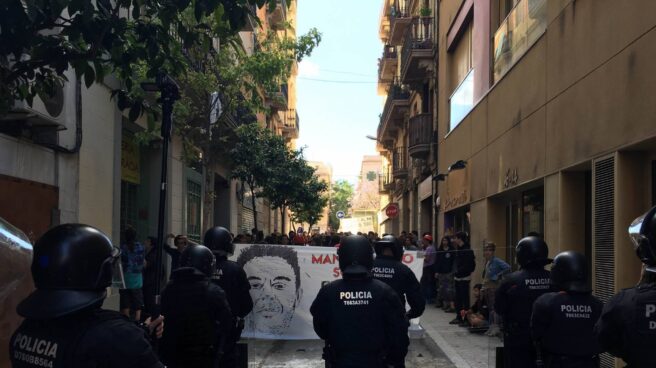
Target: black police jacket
(465,262)
(444,261)
(362,321)
(232,279)
(401,278)
(514,301)
(89,338)
(627,327)
(197,318)
(563,324)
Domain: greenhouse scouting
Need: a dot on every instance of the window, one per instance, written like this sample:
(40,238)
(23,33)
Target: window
(193,210)
(462,79)
(128,205)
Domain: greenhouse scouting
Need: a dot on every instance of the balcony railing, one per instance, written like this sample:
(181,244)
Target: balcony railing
(421,135)
(387,64)
(418,44)
(399,162)
(278,99)
(291,123)
(519,31)
(399,19)
(396,105)
(385,180)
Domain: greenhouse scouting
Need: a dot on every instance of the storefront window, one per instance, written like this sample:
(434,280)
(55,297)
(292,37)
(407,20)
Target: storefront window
(457,220)
(193,210)
(533,212)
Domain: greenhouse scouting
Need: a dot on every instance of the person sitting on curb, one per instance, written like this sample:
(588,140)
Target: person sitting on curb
(478,316)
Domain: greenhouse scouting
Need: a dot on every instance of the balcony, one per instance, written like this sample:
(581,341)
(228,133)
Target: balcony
(385,181)
(399,163)
(277,100)
(523,26)
(421,135)
(418,50)
(291,124)
(387,67)
(400,19)
(396,106)
(278,15)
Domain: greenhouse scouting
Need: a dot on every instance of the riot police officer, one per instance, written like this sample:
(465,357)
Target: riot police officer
(197,314)
(232,279)
(360,318)
(627,327)
(64,324)
(563,321)
(515,297)
(389,269)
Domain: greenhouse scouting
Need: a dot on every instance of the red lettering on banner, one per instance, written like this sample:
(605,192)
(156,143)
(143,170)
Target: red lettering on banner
(408,258)
(336,272)
(316,259)
(324,259)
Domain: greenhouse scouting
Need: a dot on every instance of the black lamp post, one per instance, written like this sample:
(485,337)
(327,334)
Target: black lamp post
(169,93)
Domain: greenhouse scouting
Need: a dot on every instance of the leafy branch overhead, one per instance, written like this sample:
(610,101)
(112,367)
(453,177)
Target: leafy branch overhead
(41,39)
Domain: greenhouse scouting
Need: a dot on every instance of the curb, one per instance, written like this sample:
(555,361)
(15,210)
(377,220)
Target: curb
(436,341)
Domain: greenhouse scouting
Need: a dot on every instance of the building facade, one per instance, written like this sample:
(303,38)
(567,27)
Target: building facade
(544,122)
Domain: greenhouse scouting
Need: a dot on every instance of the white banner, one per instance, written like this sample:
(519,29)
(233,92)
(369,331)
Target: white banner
(284,282)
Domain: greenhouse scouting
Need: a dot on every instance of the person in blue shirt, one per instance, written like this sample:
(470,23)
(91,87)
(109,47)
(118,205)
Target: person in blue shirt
(132,259)
(494,269)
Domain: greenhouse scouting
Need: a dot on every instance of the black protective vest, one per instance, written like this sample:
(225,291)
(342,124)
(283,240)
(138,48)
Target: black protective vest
(400,278)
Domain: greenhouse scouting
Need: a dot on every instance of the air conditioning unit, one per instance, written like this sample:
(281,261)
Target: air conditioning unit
(57,111)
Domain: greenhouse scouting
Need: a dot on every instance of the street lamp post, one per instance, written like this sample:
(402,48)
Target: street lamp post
(169,93)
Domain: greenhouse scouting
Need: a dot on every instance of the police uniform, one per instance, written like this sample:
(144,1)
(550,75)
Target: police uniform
(390,270)
(627,327)
(197,314)
(89,338)
(563,324)
(64,326)
(360,318)
(514,301)
(230,277)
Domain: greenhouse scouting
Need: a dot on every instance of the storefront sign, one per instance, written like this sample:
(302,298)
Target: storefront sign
(512,178)
(425,188)
(456,200)
(130,160)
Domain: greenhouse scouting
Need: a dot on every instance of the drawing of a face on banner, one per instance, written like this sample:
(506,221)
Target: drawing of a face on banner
(274,275)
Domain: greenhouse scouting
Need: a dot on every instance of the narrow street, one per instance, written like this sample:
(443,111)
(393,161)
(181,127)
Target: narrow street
(307,354)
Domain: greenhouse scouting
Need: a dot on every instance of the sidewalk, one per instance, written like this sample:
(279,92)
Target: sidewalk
(464,349)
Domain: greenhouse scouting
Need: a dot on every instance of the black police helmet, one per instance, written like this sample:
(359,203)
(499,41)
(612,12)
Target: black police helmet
(219,240)
(643,235)
(532,251)
(389,241)
(355,255)
(71,266)
(569,272)
(199,257)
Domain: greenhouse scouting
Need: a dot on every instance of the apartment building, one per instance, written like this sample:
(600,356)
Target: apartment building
(406,75)
(543,122)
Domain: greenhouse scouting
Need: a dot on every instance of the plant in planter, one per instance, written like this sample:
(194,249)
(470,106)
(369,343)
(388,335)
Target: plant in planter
(425,12)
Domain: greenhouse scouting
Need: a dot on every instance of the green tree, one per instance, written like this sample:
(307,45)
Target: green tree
(309,208)
(340,200)
(40,39)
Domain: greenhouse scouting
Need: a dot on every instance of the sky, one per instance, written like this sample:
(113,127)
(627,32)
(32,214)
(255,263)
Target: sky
(336,116)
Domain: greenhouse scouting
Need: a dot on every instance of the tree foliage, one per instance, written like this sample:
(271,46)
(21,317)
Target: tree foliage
(41,39)
(340,200)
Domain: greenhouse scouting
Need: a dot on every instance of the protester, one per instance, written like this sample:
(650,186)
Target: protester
(427,277)
(464,266)
(444,258)
(477,316)
(132,259)
(494,269)
(180,242)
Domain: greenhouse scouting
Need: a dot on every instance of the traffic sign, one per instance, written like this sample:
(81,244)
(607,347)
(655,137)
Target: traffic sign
(392,210)
(340,214)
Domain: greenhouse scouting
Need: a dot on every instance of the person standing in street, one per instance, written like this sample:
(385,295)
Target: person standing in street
(514,301)
(444,275)
(65,326)
(180,242)
(132,258)
(361,319)
(464,266)
(428,286)
(389,269)
(563,321)
(494,269)
(232,279)
(627,327)
(198,316)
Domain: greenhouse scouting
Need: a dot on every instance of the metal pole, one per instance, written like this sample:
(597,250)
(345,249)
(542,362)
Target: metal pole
(169,94)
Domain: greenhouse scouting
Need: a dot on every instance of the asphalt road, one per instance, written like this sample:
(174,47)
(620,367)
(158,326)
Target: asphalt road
(307,354)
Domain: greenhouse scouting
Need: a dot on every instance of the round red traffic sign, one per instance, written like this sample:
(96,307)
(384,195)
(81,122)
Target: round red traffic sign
(392,210)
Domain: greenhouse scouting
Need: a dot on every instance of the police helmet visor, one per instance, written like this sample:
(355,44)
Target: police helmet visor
(641,243)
